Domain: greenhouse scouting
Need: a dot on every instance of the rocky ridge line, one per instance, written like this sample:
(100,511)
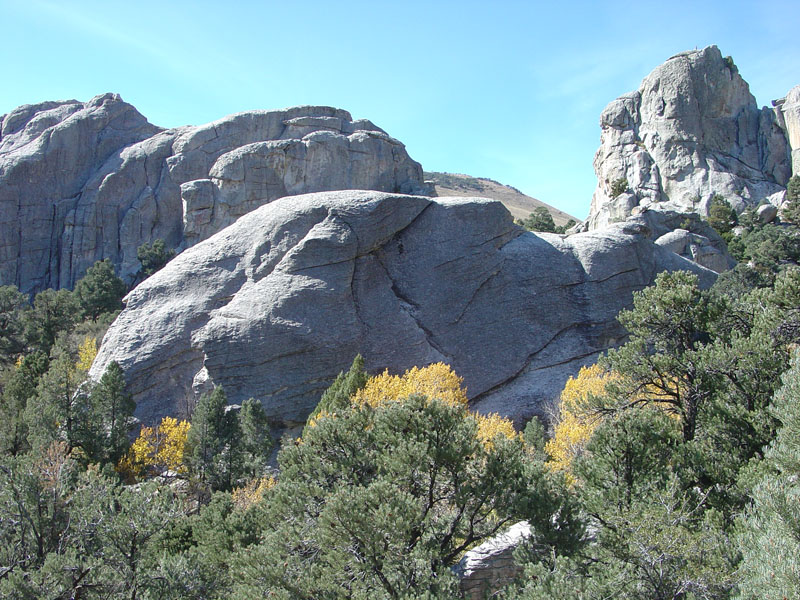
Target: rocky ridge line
(85,181)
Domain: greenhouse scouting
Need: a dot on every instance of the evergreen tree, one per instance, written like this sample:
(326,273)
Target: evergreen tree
(13,305)
(100,290)
(539,220)
(112,409)
(769,532)
(663,361)
(153,256)
(53,312)
(791,211)
(18,390)
(254,442)
(212,441)
(721,215)
(380,500)
(337,396)
(58,413)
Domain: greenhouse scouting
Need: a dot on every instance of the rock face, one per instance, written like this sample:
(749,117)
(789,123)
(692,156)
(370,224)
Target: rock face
(687,235)
(85,181)
(488,568)
(788,111)
(276,304)
(691,130)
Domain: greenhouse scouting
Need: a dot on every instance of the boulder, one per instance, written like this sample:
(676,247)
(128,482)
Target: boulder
(276,304)
(767,212)
(490,567)
(84,181)
(695,247)
(690,131)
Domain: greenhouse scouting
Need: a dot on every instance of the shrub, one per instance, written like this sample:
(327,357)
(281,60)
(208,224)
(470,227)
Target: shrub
(619,186)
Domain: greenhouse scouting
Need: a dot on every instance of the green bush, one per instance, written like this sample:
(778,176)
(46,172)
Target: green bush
(619,186)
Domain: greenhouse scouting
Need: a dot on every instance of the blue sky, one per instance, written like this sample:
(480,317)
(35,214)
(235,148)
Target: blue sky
(507,90)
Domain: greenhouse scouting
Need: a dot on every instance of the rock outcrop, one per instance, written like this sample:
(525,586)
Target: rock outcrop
(276,304)
(490,567)
(690,131)
(788,111)
(85,181)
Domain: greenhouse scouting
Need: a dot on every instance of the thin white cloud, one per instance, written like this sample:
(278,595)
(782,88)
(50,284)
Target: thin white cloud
(72,16)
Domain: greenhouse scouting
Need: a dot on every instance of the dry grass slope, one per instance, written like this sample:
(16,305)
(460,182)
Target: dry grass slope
(518,204)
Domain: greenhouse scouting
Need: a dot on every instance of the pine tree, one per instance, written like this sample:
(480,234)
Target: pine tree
(19,389)
(211,441)
(13,306)
(663,362)
(769,533)
(153,256)
(112,409)
(58,413)
(53,312)
(100,290)
(254,443)
(343,388)
(380,500)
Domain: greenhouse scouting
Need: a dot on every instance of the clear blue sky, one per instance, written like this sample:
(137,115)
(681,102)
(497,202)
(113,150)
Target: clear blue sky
(507,90)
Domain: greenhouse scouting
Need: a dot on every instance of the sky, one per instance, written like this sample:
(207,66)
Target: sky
(507,90)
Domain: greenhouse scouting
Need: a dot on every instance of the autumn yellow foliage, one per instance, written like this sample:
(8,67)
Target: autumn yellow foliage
(576,422)
(492,425)
(252,492)
(157,449)
(87,352)
(434,381)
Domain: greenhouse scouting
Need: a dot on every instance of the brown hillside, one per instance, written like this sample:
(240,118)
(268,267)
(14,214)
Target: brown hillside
(518,204)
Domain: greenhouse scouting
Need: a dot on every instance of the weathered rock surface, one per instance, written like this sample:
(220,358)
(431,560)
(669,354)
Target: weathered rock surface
(276,304)
(687,235)
(788,111)
(490,567)
(85,181)
(691,130)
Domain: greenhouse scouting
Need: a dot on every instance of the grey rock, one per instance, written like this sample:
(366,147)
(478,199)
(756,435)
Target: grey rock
(691,130)
(686,234)
(696,248)
(276,304)
(788,112)
(488,568)
(767,212)
(85,181)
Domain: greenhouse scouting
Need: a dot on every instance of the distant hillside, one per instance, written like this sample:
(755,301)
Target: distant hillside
(518,204)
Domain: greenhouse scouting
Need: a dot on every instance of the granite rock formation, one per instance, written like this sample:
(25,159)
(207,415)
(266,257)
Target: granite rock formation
(84,181)
(788,111)
(276,304)
(690,131)
(490,567)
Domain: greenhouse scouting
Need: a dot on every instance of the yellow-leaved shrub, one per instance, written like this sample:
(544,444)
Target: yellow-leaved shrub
(576,422)
(87,351)
(252,492)
(434,381)
(157,449)
(492,425)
